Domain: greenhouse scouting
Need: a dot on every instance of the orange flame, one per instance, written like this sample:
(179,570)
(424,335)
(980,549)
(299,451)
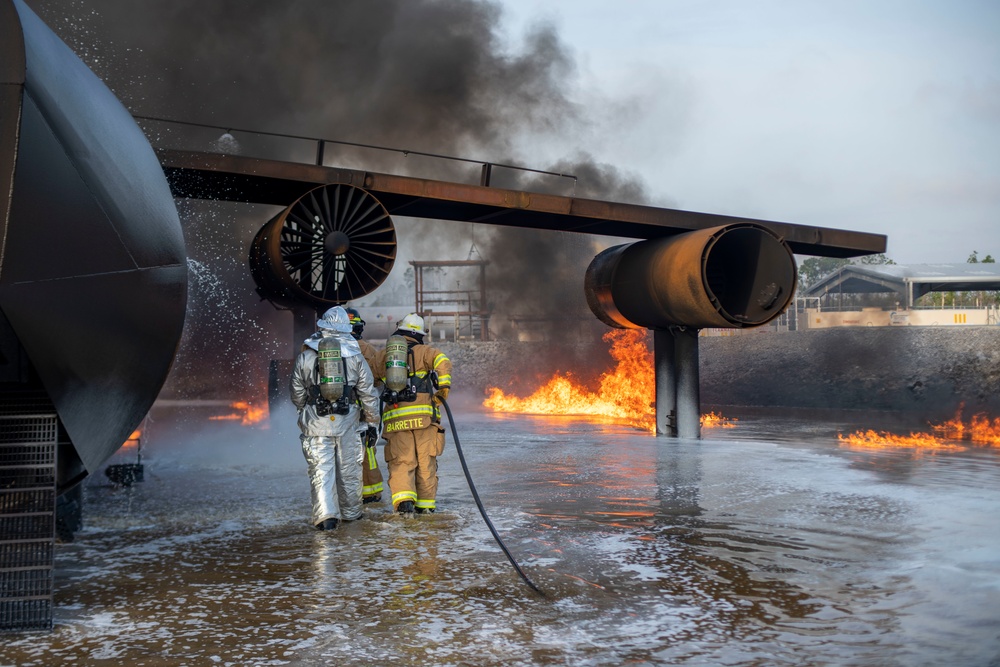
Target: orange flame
(883,440)
(712,420)
(249,414)
(133,440)
(985,432)
(980,431)
(953,429)
(624,396)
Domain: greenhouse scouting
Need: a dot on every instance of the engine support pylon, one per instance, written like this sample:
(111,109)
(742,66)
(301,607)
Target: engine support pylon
(678,392)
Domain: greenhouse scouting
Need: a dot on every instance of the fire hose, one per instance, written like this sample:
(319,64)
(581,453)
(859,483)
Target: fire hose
(479,503)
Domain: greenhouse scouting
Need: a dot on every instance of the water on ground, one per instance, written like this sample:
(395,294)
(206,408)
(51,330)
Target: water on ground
(765,544)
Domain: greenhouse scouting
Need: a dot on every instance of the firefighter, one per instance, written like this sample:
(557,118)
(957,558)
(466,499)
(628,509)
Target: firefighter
(412,428)
(328,417)
(372,477)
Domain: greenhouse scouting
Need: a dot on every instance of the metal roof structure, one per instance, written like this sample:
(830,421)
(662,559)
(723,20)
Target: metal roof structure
(911,281)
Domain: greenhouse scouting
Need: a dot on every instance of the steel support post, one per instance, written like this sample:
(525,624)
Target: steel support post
(688,383)
(665,368)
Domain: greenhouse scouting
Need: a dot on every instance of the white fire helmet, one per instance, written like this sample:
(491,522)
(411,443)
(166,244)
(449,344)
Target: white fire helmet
(414,323)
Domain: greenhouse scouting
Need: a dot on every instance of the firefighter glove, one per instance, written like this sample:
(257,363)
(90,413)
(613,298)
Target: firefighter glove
(441,395)
(371,437)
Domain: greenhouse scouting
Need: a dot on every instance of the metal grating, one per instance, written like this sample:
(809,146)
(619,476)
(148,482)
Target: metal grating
(27,519)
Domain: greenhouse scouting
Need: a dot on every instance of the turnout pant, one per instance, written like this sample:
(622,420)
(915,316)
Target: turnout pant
(371,475)
(411,457)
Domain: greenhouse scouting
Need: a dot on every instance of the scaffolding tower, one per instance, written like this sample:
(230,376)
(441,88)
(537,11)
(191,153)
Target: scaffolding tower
(474,299)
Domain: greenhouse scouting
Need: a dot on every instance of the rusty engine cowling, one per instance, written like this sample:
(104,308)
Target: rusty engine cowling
(733,276)
(93,270)
(333,244)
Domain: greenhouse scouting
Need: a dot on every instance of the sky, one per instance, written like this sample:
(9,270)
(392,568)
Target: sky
(881,117)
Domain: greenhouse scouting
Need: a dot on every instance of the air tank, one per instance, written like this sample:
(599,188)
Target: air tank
(396,351)
(331,369)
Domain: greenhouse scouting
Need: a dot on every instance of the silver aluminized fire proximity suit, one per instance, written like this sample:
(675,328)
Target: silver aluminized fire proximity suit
(330,443)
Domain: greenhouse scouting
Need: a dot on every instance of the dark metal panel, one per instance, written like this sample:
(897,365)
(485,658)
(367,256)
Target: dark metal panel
(59,229)
(105,145)
(238,178)
(102,346)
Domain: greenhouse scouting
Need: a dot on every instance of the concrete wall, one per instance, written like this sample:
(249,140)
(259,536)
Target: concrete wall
(813,318)
(923,370)
(918,370)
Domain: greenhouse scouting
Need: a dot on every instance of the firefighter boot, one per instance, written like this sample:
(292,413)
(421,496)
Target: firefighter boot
(405,507)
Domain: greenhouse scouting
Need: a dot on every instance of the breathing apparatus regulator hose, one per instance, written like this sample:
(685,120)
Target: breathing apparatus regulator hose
(479,503)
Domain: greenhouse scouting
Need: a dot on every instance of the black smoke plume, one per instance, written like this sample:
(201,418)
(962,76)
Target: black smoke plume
(438,76)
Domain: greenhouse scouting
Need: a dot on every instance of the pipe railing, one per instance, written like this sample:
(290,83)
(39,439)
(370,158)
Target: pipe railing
(487,166)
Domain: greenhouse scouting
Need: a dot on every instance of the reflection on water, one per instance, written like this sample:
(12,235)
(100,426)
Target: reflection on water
(765,544)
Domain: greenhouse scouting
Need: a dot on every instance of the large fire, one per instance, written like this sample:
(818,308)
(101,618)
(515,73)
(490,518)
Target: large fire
(979,431)
(985,432)
(247,413)
(625,394)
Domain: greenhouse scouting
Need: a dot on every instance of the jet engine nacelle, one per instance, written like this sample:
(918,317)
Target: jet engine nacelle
(734,276)
(333,244)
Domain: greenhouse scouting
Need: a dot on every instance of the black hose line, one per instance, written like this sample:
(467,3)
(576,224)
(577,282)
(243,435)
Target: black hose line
(479,503)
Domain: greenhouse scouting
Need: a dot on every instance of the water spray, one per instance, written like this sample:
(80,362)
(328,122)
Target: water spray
(479,503)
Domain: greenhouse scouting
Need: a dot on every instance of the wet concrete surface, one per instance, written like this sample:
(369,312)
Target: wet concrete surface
(764,544)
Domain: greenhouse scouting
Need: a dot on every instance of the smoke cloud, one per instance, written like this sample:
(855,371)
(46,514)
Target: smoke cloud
(438,76)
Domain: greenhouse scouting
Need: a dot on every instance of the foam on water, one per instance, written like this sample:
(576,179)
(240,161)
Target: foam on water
(726,551)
